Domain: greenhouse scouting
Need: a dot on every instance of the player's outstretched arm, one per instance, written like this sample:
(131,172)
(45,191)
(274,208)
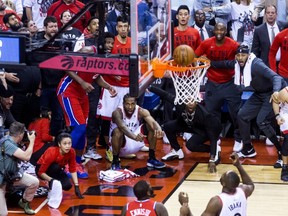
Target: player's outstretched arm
(248,185)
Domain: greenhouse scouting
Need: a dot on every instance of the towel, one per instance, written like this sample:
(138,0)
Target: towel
(116,175)
(246,71)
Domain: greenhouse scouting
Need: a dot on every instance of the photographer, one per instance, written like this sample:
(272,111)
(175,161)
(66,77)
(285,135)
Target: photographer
(9,171)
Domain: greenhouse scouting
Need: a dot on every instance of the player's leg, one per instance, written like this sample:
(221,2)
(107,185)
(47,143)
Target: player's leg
(152,140)
(264,124)
(248,112)
(171,129)
(284,172)
(233,98)
(117,139)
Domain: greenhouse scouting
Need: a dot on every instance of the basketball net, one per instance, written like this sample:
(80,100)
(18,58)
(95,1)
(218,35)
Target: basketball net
(187,80)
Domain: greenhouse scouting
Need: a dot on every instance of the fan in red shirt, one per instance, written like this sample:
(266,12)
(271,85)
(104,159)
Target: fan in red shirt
(4,10)
(280,41)
(74,6)
(50,166)
(43,138)
(220,85)
(184,34)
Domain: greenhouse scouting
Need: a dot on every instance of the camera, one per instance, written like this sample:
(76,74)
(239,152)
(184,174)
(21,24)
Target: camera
(25,137)
(12,177)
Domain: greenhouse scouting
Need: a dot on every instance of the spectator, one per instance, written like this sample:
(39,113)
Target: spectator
(4,10)
(74,6)
(43,139)
(205,30)
(34,12)
(15,5)
(6,101)
(263,35)
(11,21)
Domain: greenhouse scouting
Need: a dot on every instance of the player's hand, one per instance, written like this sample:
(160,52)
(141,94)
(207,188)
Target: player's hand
(118,78)
(183,198)
(87,87)
(280,120)
(235,159)
(112,91)
(77,192)
(274,97)
(158,134)
(212,167)
(140,137)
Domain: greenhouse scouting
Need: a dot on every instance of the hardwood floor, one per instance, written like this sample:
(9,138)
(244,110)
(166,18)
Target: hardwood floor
(102,198)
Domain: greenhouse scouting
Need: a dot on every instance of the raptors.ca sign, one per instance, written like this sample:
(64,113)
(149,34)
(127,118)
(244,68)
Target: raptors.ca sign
(90,64)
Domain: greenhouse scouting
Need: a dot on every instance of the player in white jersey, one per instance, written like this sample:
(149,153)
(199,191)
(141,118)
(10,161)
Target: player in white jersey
(233,199)
(280,107)
(127,135)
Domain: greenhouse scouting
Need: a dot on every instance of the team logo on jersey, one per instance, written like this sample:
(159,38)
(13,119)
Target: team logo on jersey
(67,62)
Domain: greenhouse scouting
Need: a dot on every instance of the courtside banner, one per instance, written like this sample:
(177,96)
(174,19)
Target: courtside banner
(89,64)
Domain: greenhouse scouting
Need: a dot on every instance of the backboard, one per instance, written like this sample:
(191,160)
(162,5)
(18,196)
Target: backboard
(151,35)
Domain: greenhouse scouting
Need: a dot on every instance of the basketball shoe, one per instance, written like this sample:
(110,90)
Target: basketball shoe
(154,163)
(172,155)
(248,151)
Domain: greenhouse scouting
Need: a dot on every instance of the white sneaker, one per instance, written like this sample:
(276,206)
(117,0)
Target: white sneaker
(187,136)
(173,155)
(268,142)
(237,146)
(145,149)
(91,153)
(165,139)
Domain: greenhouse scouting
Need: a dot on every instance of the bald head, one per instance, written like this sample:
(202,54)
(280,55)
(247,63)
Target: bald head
(230,181)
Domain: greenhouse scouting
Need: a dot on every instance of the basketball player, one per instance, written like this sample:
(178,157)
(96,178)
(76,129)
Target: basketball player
(192,118)
(106,105)
(280,107)
(127,135)
(184,34)
(220,85)
(233,199)
(144,205)
(72,95)
(251,71)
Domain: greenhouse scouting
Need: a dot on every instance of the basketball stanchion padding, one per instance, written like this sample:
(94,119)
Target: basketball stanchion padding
(186,80)
(133,75)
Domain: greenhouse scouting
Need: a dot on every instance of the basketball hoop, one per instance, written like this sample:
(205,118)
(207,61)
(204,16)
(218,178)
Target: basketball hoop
(186,80)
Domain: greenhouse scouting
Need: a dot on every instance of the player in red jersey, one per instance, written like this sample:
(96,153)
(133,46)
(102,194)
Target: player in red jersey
(144,205)
(184,34)
(106,105)
(72,95)
(280,41)
(220,85)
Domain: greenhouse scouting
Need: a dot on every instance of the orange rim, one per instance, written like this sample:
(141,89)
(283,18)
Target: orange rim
(159,67)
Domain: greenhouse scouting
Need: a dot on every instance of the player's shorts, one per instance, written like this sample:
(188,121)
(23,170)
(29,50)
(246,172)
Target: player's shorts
(108,104)
(75,109)
(284,126)
(131,146)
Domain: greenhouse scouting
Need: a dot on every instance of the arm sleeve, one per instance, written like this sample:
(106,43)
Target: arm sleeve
(224,9)
(163,94)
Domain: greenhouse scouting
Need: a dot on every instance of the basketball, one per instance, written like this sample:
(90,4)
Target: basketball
(183,55)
